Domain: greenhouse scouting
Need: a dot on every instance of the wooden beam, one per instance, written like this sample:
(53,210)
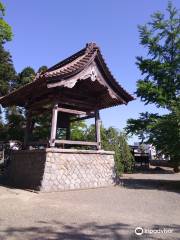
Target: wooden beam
(75,102)
(54,125)
(66,110)
(39,104)
(98,129)
(28,128)
(62,100)
(75,142)
(82,118)
(83,94)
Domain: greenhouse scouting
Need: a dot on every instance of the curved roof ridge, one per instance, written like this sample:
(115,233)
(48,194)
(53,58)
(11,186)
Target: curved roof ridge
(67,60)
(89,47)
(74,62)
(116,84)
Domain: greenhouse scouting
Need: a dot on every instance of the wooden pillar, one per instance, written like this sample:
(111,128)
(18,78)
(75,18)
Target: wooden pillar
(98,129)
(28,128)
(54,125)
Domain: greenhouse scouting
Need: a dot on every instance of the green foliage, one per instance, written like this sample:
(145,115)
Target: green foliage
(78,130)
(7,72)
(113,140)
(15,117)
(116,141)
(125,155)
(161,131)
(27,75)
(13,129)
(41,126)
(142,126)
(42,69)
(2,9)
(5,29)
(161,83)
(167,134)
(40,123)
(161,38)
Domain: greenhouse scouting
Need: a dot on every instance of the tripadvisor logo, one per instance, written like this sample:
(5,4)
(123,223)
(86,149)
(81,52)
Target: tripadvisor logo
(139,231)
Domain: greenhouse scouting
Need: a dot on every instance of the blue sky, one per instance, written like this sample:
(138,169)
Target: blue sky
(46,32)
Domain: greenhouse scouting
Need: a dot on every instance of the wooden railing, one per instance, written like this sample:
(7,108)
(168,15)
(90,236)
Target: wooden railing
(62,142)
(70,142)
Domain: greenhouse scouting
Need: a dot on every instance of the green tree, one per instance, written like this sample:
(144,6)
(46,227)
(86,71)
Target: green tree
(27,75)
(16,116)
(5,29)
(7,71)
(41,126)
(161,37)
(78,130)
(42,69)
(114,140)
(15,123)
(161,83)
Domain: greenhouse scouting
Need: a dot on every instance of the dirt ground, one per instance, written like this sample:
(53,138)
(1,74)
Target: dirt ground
(150,201)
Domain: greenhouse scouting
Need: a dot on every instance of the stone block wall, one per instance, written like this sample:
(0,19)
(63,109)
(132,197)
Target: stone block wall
(75,170)
(56,169)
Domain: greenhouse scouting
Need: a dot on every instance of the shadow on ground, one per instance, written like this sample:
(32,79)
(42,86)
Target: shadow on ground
(151,184)
(153,170)
(57,231)
(4,183)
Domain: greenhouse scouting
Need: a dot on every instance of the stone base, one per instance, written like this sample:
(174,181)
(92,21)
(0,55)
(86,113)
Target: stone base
(54,169)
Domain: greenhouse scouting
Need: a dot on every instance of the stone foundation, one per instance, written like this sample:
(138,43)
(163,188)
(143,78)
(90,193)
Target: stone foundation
(54,169)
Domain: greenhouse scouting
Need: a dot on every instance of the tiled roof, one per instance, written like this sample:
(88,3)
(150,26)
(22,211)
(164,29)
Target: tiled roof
(73,63)
(77,62)
(65,69)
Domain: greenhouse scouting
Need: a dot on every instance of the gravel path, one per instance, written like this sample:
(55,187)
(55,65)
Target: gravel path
(106,213)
